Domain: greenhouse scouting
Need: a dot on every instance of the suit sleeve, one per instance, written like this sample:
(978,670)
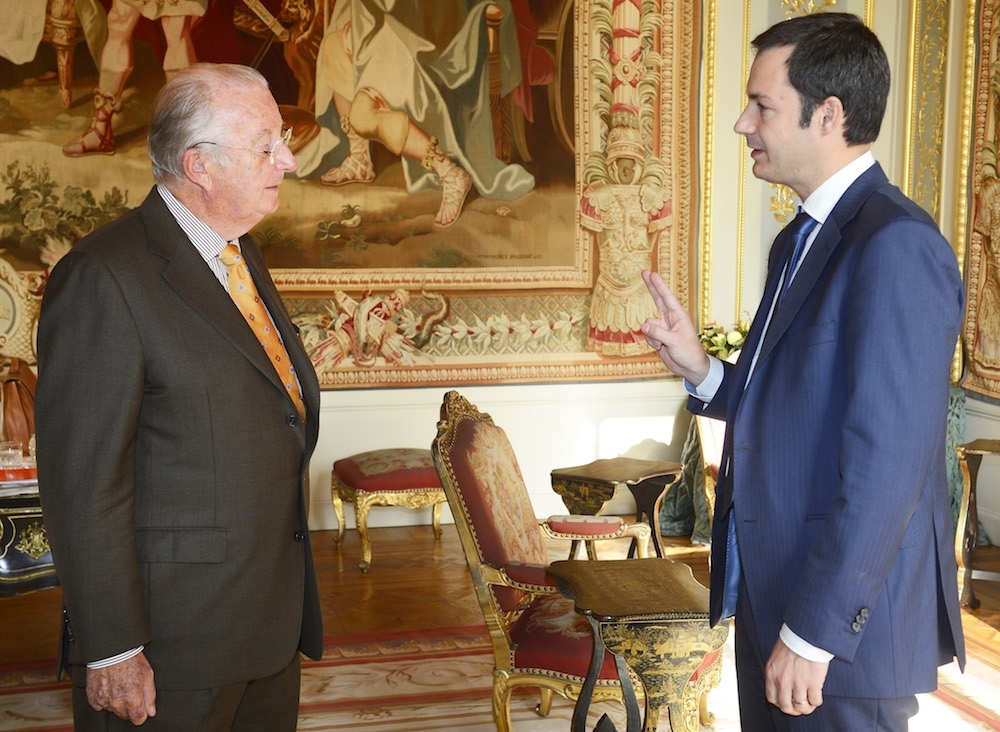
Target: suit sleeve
(899,332)
(89,393)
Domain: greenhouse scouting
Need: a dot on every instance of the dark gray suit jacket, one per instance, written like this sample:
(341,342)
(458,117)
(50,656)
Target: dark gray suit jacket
(171,461)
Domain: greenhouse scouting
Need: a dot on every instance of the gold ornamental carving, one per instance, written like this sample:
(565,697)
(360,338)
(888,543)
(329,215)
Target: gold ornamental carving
(806,7)
(782,203)
(33,541)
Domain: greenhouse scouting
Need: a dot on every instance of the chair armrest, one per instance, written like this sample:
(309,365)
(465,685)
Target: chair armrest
(582,527)
(530,577)
(521,576)
(594,528)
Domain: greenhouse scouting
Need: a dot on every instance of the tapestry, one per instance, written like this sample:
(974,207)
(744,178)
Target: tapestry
(981,334)
(478,187)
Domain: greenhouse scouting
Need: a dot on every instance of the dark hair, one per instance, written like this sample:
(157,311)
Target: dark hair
(835,55)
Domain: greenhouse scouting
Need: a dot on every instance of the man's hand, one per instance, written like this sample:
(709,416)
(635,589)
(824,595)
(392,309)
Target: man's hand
(125,689)
(793,683)
(672,334)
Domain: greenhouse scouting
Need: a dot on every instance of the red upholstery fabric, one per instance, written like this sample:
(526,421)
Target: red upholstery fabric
(551,636)
(496,501)
(529,574)
(391,469)
(588,525)
(709,659)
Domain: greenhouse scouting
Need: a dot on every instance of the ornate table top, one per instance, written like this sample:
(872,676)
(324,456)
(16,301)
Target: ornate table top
(981,447)
(618,588)
(617,470)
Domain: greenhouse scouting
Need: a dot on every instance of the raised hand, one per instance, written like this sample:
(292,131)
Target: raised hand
(672,334)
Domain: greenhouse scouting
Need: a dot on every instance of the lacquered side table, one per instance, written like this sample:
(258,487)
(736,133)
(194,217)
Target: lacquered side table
(585,489)
(25,557)
(653,614)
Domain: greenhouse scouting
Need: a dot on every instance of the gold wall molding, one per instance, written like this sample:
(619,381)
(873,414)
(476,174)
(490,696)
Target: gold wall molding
(707,147)
(927,61)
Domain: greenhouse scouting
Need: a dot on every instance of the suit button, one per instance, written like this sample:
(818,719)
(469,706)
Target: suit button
(300,536)
(292,420)
(856,626)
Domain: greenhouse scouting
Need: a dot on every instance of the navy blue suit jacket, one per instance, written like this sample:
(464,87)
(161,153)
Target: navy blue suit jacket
(834,459)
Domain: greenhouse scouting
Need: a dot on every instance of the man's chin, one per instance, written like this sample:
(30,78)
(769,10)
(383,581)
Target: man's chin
(760,171)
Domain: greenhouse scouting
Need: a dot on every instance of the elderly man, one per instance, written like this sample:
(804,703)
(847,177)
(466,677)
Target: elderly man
(177,411)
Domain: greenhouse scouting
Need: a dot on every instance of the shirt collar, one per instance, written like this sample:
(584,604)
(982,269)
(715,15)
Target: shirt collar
(823,199)
(205,240)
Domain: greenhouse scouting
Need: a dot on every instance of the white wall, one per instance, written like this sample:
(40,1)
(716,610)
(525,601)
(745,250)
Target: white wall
(549,426)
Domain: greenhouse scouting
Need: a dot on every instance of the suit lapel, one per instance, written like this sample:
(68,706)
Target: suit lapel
(812,267)
(186,272)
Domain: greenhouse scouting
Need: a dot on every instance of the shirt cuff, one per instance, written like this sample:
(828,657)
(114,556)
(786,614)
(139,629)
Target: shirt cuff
(706,390)
(803,648)
(104,663)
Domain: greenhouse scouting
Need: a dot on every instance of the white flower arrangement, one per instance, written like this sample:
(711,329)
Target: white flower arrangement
(723,343)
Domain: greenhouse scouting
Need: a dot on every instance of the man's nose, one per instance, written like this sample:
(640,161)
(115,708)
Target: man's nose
(286,160)
(743,125)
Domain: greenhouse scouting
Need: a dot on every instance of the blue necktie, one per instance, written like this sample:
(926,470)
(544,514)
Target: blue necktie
(800,228)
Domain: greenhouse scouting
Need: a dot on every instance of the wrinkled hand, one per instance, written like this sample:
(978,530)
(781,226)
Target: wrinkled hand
(790,678)
(125,689)
(672,334)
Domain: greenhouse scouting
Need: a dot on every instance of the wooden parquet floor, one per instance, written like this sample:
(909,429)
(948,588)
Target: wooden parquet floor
(417,583)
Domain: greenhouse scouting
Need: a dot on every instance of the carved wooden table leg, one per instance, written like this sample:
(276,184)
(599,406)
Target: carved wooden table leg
(338,494)
(967,531)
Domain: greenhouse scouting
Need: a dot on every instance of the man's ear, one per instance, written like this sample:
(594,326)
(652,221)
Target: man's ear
(196,168)
(830,114)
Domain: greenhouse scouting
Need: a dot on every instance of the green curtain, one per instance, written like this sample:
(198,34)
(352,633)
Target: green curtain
(684,511)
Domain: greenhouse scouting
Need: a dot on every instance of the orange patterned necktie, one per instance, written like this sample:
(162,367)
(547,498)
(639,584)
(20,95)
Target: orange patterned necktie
(244,294)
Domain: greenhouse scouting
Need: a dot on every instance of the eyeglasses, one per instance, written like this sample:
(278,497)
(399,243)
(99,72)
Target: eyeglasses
(271,152)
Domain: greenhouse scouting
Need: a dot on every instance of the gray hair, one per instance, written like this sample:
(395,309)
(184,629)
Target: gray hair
(186,113)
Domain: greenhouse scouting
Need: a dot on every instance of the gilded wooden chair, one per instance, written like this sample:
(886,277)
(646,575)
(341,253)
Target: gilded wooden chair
(538,638)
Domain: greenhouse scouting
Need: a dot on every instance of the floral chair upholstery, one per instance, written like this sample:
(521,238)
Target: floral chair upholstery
(538,638)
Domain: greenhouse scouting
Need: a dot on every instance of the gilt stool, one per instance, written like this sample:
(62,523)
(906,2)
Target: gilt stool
(399,476)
